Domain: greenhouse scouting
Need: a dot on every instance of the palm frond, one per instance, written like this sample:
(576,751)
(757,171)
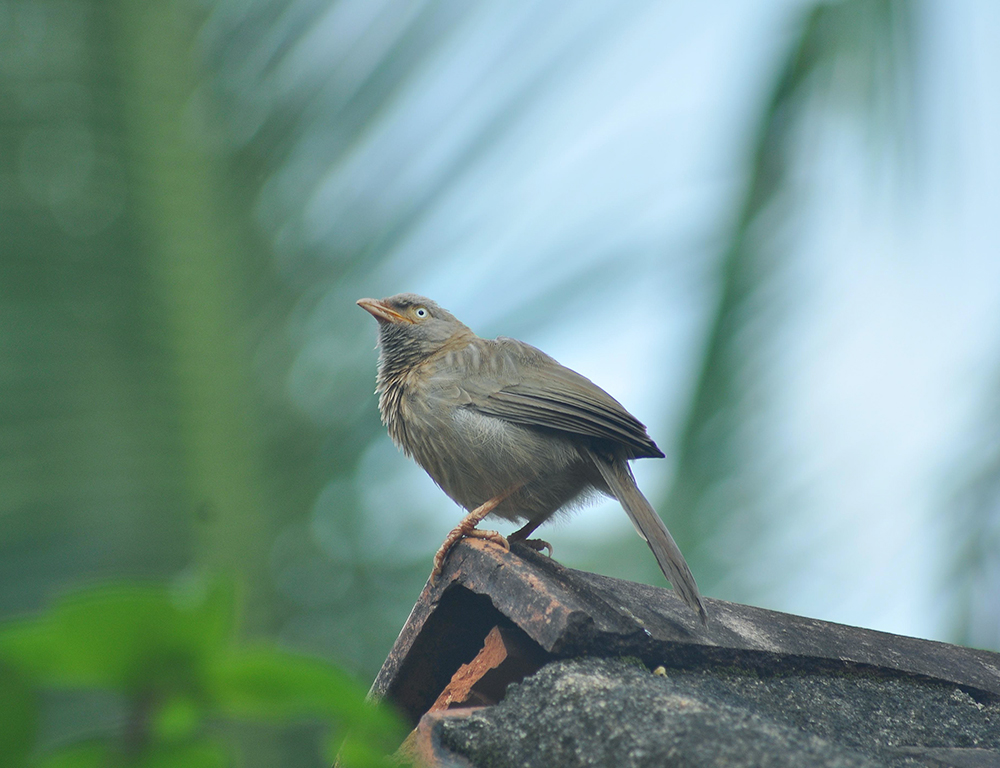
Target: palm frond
(974,520)
(852,56)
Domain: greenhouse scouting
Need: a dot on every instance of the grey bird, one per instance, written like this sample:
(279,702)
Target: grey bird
(505,430)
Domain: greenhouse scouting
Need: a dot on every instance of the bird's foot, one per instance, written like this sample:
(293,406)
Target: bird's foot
(495,536)
(467,528)
(521,536)
(458,533)
(536,544)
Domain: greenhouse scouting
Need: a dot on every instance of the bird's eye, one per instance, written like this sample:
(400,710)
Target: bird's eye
(421,312)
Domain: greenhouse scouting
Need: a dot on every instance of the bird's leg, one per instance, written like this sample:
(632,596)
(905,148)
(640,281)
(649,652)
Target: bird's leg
(522,534)
(468,528)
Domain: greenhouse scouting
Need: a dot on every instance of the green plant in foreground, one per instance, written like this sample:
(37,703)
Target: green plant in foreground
(182,679)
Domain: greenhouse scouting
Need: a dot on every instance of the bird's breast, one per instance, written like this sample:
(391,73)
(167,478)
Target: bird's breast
(474,456)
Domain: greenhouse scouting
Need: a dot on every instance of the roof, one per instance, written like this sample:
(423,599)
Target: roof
(513,659)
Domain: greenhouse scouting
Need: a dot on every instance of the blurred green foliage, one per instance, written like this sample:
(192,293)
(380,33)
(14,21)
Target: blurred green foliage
(180,680)
(870,43)
(144,426)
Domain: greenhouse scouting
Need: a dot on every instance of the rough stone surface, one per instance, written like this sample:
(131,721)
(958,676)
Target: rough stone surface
(601,712)
(569,614)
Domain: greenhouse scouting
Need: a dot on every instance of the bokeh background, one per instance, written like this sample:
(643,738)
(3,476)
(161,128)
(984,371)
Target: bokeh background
(771,229)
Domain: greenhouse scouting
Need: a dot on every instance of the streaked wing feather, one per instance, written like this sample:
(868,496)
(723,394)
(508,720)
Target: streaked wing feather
(546,394)
(545,412)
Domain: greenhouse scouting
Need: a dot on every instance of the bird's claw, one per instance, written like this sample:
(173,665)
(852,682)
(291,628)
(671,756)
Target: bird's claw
(538,545)
(497,538)
(454,537)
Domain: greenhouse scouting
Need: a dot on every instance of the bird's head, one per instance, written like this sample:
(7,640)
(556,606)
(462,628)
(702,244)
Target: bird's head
(411,327)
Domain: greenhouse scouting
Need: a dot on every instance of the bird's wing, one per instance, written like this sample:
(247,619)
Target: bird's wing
(524,385)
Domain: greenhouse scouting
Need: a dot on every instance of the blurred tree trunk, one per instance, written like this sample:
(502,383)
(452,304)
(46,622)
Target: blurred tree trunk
(198,277)
(91,476)
(128,409)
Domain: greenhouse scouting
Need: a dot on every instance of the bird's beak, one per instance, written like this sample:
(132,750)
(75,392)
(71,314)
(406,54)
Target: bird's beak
(382,311)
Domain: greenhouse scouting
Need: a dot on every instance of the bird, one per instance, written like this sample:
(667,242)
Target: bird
(505,430)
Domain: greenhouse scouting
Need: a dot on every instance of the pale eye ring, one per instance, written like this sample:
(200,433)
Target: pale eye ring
(420,312)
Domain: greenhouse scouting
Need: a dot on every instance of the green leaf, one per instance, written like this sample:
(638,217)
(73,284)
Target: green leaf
(18,717)
(92,754)
(177,719)
(278,686)
(97,754)
(352,752)
(199,754)
(123,638)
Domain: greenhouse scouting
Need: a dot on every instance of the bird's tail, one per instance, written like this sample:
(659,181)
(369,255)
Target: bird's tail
(619,478)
